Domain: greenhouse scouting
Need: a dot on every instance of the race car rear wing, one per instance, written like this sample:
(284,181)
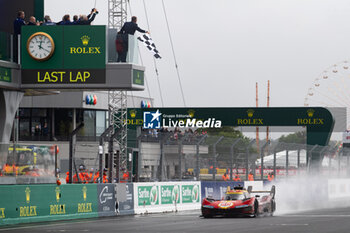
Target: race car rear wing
(272,191)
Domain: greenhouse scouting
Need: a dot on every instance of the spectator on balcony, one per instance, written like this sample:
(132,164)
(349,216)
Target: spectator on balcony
(131,27)
(75,19)
(65,20)
(17,28)
(48,21)
(32,21)
(19,22)
(86,20)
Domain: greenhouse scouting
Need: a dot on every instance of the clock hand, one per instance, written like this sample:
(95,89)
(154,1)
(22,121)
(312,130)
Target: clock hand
(46,50)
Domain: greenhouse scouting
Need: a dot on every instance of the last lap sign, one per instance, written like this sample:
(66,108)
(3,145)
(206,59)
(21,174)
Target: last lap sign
(77,55)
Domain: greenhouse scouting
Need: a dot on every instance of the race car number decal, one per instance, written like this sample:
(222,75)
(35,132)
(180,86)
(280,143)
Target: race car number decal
(225,204)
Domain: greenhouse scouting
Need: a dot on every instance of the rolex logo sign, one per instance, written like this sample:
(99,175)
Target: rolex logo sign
(311,119)
(191,113)
(84,193)
(85,39)
(58,194)
(251,120)
(250,112)
(133,113)
(310,112)
(27,191)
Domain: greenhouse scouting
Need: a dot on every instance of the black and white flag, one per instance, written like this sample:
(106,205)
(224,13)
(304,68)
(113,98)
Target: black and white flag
(148,42)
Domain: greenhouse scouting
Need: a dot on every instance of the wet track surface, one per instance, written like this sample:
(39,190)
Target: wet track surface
(330,220)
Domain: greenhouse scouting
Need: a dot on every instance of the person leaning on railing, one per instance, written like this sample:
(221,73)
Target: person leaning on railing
(122,43)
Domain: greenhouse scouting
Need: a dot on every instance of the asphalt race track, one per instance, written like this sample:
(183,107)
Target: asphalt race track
(326,220)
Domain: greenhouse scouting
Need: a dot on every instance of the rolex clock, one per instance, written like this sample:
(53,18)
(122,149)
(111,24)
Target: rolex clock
(40,46)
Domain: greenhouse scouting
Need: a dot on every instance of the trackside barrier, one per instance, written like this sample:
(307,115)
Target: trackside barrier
(166,196)
(106,200)
(125,199)
(338,189)
(36,203)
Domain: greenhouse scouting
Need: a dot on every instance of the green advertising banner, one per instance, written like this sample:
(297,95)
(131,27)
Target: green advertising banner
(148,195)
(74,47)
(5,74)
(30,203)
(169,194)
(84,47)
(63,55)
(190,193)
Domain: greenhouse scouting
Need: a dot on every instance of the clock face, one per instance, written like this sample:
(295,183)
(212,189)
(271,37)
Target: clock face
(40,46)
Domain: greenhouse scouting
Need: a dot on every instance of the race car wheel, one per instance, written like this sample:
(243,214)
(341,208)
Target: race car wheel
(256,209)
(273,207)
(207,216)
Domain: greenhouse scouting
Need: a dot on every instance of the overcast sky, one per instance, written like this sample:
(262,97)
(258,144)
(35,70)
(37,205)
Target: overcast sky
(224,46)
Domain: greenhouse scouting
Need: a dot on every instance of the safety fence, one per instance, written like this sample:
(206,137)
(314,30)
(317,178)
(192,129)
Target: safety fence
(175,158)
(176,155)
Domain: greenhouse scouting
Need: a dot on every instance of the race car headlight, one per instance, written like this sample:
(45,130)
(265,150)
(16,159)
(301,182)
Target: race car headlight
(242,206)
(208,206)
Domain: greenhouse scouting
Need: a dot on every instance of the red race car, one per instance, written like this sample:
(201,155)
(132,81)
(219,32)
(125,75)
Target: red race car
(241,202)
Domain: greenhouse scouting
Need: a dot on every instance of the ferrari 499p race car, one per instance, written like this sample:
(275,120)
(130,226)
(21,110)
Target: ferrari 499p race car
(241,202)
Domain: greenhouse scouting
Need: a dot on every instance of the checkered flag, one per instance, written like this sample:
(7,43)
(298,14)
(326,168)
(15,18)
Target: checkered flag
(148,42)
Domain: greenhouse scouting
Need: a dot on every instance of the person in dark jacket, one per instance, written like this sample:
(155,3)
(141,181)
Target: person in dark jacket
(122,43)
(19,22)
(122,46)
(32,21)
(131,27)
(65,20)
(87,20)
(75,19)
(48,21)
(17,28)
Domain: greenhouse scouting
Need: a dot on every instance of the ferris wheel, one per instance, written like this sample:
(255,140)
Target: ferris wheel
(331,89)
